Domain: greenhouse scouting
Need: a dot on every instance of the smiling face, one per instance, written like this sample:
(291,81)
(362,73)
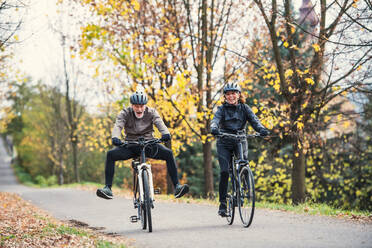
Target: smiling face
(139,110)
(232,97)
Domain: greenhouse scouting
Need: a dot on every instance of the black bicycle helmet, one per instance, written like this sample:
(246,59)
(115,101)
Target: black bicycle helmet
(231,87)
(138,98)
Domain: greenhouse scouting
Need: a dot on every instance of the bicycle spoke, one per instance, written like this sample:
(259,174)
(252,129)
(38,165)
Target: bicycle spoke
(247,196)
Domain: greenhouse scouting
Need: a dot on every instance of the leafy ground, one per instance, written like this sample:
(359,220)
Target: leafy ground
(24,225)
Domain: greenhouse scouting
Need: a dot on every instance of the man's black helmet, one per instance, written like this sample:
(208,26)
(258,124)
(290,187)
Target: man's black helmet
(231,87)
(138,98)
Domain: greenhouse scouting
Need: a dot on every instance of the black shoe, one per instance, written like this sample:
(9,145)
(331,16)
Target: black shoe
(105,193)
(222,210)
(181,190)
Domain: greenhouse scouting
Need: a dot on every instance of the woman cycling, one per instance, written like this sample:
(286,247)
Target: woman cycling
(231,117)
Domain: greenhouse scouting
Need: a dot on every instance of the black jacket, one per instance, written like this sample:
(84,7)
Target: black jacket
(232,118)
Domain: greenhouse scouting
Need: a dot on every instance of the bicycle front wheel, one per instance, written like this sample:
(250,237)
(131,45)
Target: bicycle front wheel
(246,199)
(141,209)
(147,199)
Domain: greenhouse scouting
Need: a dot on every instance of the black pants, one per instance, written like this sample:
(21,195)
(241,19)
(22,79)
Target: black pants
(226,148)
(156,151)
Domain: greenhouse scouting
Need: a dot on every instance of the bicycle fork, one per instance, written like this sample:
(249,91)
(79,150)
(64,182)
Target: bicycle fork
(141,168)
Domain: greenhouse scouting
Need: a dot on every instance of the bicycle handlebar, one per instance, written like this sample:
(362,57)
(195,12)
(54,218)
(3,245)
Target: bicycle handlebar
(141,142)
(239,136)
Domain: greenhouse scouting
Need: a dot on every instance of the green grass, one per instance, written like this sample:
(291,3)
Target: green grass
(52,228)
(106,244)
(313,209)
(70,230)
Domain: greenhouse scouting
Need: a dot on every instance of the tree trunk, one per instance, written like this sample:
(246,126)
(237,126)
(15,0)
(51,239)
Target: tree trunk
(208,169)
(60,176)
(298,173)
(170,187)
(74,160)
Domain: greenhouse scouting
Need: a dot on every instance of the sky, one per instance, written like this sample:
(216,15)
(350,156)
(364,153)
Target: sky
(38,43)
(39,53)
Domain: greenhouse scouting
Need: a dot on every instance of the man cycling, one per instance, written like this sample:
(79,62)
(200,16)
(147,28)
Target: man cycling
(137,121)
(231,117)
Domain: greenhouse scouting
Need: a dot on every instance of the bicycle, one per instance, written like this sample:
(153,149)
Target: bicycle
(241,190)
(143,189)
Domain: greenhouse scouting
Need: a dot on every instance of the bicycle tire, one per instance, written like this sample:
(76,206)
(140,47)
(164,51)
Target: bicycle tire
(147,199)
(141,210)
(246,197)
(230,201)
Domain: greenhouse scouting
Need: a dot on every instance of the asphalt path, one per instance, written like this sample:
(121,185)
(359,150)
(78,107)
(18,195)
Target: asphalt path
(189,225)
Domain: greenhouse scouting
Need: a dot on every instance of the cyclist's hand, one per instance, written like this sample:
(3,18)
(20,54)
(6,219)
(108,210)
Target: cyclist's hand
(264,133)
(116,141)
(165,137)
(215,131)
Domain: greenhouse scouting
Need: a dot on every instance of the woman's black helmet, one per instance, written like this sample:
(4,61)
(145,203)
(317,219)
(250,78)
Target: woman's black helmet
(138,98)
(231,87)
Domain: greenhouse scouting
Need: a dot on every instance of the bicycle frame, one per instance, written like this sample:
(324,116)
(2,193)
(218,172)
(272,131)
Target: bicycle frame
(143,188)
(141,165)
(140,168)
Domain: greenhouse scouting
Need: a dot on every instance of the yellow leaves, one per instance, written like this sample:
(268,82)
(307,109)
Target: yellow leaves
(149,43)
(336,88)
(171,40)
(293,29)
(254,109)
(187,45)
(316,47)
(288,73)
(136,5)
(300,125)
(285,44)
(309,81)
(359,67)
(346,124)
(277,86)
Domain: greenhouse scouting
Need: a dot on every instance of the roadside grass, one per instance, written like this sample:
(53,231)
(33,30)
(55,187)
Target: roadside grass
(317,209)
(24,225)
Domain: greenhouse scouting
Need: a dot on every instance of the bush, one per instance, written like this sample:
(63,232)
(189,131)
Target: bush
(41,181)
(52,180)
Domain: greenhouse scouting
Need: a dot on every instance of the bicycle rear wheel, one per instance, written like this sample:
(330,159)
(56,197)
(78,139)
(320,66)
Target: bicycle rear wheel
(231,201)
(246,199)
(147,199)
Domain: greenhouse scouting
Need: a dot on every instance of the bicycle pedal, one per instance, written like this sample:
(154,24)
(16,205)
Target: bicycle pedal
(133,218)
(157,191)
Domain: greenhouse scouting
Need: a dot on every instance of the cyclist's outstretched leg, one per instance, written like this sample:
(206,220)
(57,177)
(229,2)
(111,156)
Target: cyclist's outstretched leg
(118,153)
(161,152)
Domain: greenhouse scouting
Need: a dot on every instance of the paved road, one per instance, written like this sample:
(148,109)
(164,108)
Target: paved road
(189,225)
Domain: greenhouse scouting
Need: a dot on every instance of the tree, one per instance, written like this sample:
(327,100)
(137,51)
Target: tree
(173,54)
(11,13)
(307,74)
